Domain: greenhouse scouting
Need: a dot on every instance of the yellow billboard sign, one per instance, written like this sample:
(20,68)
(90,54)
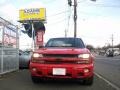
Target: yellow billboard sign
(32,14)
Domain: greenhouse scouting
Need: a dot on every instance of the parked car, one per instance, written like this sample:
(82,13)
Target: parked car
(24,59)
(110,52)
(63,58)
(116,53)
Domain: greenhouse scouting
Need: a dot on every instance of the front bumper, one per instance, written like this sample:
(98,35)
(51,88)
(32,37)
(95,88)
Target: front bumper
(70,70)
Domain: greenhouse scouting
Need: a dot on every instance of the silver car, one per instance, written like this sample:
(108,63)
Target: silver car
(24,59)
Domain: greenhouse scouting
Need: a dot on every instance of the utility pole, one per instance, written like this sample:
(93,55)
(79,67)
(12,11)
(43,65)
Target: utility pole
(65,32)
(112,41)
(75,15)
(75,18)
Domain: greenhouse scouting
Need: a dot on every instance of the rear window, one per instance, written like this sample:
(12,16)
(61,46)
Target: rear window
(65,42)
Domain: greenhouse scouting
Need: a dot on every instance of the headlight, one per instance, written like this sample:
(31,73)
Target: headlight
(36,55)
(84,56)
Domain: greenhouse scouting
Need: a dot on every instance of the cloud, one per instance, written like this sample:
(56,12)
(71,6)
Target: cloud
(3,2)
(98,31)
(9,12)
(34,4)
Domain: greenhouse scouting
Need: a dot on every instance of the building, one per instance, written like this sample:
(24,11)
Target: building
(9,51)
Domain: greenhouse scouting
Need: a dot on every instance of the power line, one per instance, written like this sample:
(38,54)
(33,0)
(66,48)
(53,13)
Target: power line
(89,13)
(50,1)
(57,22)
(102,5)
(82,1)
(59,13)
(68,17)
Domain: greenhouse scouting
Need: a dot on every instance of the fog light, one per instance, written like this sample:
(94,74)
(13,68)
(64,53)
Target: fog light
(34,69)
(86,70)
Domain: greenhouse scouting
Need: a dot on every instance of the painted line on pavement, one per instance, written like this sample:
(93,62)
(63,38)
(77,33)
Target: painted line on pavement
(108,59)
(108,82)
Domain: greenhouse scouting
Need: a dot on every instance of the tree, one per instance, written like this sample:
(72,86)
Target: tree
(117,46)
(90,47)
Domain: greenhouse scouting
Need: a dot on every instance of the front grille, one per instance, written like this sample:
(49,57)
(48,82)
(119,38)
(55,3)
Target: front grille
(61,55)
(60,62)
(61,58)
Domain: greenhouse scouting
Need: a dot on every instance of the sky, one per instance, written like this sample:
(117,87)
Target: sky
(96,21)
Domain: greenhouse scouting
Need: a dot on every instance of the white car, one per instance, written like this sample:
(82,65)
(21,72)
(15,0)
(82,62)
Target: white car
(116,53)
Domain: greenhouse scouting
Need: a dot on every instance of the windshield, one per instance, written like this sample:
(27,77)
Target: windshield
(65,42)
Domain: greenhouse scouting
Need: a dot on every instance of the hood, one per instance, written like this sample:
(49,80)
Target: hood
(62,50)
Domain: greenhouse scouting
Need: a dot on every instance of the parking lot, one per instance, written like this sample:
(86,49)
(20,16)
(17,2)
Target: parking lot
(20,80)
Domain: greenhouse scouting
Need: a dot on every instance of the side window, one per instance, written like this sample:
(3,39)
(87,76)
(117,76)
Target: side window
(79,43)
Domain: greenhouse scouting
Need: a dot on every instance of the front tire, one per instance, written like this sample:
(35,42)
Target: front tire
(88,81)
(35,79)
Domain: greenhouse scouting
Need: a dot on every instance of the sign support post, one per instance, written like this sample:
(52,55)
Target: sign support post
(30,16)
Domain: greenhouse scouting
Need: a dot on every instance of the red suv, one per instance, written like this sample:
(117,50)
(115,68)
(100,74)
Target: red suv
(63,58)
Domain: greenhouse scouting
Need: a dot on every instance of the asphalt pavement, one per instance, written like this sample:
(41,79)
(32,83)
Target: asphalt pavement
(109,69)
(21,80)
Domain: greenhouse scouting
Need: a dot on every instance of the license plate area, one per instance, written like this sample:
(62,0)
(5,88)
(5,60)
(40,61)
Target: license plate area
(59,71)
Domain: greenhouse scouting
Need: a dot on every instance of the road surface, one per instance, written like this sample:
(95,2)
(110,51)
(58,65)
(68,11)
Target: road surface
(21,80)
(107,77)
(108,68)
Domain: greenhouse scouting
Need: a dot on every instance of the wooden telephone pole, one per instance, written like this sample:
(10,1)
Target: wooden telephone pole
(75,15)
(75,18)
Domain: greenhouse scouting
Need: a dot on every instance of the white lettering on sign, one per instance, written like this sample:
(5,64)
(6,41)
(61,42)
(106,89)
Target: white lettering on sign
(32,11)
